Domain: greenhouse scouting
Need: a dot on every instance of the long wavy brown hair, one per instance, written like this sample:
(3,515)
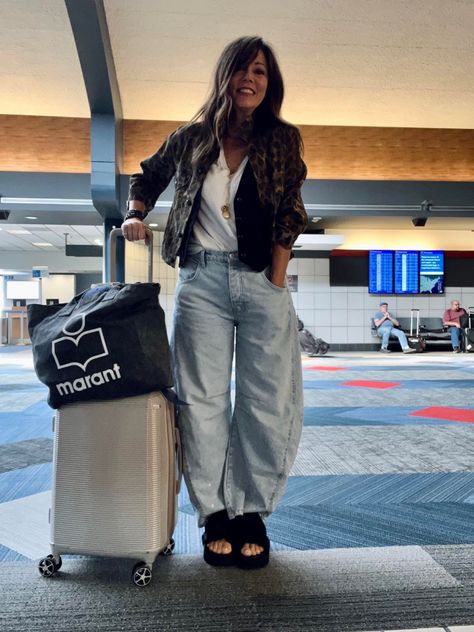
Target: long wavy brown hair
(215,114)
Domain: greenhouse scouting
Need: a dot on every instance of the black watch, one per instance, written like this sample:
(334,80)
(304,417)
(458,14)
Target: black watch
(133,213)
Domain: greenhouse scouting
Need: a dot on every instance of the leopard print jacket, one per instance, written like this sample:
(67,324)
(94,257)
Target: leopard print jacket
(277,165)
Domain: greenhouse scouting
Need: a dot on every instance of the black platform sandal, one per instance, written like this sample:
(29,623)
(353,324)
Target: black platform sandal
(217,527)
(250,529)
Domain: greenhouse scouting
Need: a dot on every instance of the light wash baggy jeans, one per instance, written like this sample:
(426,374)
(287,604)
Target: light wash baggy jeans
(235,460)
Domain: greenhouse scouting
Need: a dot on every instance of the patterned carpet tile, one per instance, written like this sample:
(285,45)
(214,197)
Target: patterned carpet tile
(20,375)
(14,456)
(323,591)
(421,398)
(26,481)
(8,555)
(405,384)
(5,387)
(458,561)
(12,401)
(367,416)
(365,525)
(33,422)
(388,415)
(391,373)
(445,412)
(383,450)
(340,571)
(371,384)
(11,349)
(24,525)
(325,368)
(453,487)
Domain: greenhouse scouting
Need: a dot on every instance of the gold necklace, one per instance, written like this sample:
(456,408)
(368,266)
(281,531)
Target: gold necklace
(225,208)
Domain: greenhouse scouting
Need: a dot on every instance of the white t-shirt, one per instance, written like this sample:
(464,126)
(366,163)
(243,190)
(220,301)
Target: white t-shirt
(211,231)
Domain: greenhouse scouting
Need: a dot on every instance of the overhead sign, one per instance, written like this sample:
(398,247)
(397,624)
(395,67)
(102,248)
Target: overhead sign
(40,271)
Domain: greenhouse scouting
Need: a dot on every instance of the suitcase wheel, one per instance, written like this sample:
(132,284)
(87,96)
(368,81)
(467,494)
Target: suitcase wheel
(142,574)
(48,565)
(169,548)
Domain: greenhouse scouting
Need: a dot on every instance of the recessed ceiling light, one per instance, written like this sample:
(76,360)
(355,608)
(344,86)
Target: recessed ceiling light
(46,201)
(41,243)
(98,242)
(153,225)
(30,217)
(19,231)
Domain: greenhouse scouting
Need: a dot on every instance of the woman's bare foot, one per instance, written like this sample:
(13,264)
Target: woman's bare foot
(250,550)
(250,541)
(220,547)
(217,540)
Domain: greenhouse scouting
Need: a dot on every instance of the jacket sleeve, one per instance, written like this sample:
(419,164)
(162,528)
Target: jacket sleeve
(291,217)
(156,174)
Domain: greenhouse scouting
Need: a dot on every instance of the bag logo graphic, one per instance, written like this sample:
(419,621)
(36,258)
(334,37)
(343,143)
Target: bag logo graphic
(93,339)
(85,346)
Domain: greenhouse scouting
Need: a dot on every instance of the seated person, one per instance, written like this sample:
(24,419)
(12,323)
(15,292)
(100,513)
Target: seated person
(386,324)
(452,319)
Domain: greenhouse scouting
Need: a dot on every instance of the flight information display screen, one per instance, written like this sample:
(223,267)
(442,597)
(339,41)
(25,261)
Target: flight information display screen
(381,271)
(432,272)
(406,272)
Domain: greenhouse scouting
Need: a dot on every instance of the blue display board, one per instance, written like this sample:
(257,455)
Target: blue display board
(432,272)
(381,271)
(407,272)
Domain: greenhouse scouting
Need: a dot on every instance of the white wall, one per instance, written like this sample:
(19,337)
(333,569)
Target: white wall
(60,286)
(136,270)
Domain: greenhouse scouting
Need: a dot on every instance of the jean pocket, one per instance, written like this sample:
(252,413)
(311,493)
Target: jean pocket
(191,268)
(265,276)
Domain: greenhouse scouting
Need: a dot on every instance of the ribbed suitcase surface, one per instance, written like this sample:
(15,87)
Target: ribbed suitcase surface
(114,488)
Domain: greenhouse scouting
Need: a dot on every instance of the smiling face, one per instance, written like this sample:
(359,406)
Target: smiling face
(248,86)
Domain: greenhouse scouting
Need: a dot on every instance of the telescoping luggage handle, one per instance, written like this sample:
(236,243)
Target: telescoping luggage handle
(117,232)
(470,313)
(179,457)
(415,312)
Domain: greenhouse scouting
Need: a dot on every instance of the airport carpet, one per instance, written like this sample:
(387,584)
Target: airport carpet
(375,530)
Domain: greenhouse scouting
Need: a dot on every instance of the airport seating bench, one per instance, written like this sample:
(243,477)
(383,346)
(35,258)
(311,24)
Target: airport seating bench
(431,329)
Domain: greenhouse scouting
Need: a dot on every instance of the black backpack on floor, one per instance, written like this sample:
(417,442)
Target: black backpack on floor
(309,344)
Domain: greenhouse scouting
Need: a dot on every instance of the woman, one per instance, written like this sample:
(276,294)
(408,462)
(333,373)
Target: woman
(236,213)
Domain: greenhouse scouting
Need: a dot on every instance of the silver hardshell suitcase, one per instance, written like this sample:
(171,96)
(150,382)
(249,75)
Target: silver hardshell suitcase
(116,475)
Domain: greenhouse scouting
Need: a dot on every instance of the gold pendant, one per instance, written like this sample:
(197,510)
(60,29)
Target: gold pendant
(225,211)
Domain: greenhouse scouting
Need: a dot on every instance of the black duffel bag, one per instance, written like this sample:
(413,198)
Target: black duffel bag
(108,342)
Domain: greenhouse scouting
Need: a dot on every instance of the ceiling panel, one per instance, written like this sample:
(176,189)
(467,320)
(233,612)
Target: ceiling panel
(371,62)
(54,234)
(39,59)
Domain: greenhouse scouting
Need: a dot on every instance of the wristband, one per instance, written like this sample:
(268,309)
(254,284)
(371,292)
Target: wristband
(133,213)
